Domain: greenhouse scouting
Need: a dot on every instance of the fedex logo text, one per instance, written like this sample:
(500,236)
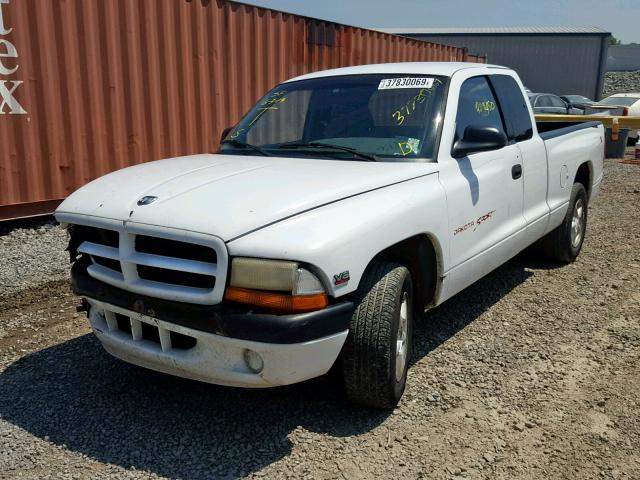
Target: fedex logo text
(8,102)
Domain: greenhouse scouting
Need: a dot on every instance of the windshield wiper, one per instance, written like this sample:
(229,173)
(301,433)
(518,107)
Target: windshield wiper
(365,156)
(238,143)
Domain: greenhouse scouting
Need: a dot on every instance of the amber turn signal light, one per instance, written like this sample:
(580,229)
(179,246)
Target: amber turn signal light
(277,301)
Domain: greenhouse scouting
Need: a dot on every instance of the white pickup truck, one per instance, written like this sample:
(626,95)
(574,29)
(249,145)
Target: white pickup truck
(339,208)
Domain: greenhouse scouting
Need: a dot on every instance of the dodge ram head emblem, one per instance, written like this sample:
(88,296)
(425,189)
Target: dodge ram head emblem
(146,200)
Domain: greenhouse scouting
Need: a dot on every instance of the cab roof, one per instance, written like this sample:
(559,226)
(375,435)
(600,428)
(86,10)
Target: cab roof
(409,68)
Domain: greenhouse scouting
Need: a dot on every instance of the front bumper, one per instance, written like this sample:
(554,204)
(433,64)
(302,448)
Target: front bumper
(235,321)
(208,343)
(211,358)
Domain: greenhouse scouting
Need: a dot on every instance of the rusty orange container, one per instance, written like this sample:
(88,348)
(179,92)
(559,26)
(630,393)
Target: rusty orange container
(88,87)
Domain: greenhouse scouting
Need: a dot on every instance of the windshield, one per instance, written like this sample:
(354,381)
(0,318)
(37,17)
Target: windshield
(382,117)
(619,101)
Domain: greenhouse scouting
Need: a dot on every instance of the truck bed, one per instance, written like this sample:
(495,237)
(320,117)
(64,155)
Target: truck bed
(569,144)
(549,130)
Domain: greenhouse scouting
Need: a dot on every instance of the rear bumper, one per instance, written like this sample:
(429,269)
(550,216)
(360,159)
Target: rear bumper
(212,358)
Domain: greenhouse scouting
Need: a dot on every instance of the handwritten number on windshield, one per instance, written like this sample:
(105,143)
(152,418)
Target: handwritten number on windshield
(269,104)
(410,106)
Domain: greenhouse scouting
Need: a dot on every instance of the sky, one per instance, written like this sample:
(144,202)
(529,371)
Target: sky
(620,17)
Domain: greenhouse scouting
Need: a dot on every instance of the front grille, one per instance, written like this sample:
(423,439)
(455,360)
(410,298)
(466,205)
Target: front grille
(158,266)
(138,330)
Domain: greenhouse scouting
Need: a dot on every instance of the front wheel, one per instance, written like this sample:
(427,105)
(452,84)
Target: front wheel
(376,353)
(565,242)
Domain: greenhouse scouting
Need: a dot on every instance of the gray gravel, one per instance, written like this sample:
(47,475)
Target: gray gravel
(530,373)
(32,257)
(621,82)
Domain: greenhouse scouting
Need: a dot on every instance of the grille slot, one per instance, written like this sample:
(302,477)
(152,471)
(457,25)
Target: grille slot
(150,333)
(181,341)
(186,279)
(124,323)
(157,266)
(166,339)
(108,263)
(173,248)
(101,236)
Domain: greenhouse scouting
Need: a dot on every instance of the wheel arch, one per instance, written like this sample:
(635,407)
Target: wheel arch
(422,255)
(584,175)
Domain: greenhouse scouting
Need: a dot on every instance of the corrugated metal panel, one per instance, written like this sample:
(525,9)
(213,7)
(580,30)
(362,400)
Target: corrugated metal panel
(621,58)
(111,83)
(495,30)
(560,64)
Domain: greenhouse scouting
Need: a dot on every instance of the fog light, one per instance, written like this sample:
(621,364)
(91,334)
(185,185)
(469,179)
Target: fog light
(254,361)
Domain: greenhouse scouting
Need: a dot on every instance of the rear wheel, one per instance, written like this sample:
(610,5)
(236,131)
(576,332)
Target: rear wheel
(565,242)
(378,348)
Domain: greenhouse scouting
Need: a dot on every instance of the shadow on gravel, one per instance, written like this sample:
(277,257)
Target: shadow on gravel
(77,395)
(8,226)
(444,321)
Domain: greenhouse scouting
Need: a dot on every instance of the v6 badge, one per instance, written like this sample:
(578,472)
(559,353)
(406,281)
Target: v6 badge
(341,278)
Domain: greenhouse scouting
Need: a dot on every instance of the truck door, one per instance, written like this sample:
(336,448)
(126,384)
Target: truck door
(484,191)
(519,124)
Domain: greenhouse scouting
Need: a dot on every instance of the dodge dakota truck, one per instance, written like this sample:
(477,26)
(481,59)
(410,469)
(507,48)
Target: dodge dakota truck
(344,204)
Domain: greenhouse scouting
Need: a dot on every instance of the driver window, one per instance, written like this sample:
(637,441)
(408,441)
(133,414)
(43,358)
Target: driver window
(477,106)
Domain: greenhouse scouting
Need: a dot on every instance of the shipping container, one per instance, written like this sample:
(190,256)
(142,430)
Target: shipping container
(88,87)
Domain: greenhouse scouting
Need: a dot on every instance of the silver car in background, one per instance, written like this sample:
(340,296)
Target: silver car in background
(553,104)
(624,104)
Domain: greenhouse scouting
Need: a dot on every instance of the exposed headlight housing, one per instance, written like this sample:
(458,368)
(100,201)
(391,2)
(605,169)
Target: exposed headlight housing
(275,284)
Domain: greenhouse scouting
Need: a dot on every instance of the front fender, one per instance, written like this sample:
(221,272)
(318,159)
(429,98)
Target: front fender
(346,235)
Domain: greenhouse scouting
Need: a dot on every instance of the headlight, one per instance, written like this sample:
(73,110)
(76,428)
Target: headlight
(275,284)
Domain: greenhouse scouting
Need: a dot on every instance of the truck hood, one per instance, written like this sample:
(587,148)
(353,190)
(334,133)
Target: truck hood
(229,195)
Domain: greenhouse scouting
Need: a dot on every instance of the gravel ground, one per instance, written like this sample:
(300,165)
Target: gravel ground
(621,82)
(32,257)
(533,372)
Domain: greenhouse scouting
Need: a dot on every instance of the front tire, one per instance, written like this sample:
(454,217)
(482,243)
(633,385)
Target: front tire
(376,353)
(565,242)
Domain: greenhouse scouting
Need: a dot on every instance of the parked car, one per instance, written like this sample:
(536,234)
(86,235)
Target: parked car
(622,104)
(577,101)
(550,103)
(340,207)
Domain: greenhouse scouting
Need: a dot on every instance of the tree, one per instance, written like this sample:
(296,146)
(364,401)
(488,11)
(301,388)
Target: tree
(614,41)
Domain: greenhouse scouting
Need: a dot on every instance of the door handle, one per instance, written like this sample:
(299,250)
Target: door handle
(516,171)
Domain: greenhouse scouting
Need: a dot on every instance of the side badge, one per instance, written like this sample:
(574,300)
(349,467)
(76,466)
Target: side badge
(341,278)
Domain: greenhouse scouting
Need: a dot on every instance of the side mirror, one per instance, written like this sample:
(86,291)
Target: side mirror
(478,139)
(224,133)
